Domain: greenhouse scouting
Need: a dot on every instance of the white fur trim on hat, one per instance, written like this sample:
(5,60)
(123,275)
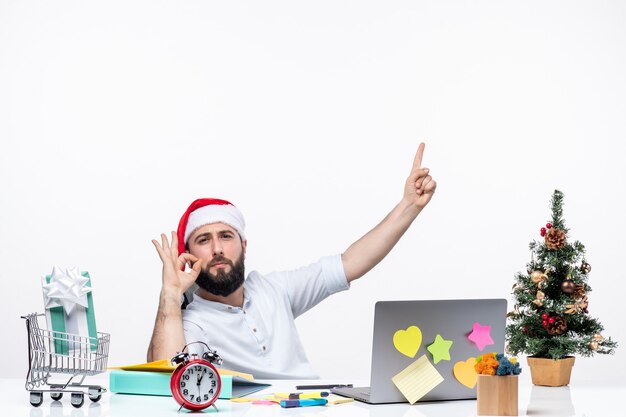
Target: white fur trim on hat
(221,213)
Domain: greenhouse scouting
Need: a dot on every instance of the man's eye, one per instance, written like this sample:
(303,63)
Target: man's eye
(227,236)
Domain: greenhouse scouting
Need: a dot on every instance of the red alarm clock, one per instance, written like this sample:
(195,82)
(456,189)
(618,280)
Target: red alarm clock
(195,382)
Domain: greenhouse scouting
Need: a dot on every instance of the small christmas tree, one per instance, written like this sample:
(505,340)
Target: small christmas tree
(550,318)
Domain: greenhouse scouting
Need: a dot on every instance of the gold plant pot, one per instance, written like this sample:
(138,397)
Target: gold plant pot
(551,372)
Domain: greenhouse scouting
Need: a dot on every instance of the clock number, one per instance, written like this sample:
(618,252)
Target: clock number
(198,368)
(198,399)
(192,397)
(186,377)
(185,391)
(182,384)
(210,374)
(213,383)
(211,391)
(206,397)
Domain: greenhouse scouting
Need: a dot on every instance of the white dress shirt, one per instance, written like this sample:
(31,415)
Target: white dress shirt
(261,337)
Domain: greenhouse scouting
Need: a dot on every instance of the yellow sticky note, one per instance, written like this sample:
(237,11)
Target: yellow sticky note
(417,379)
(338,399)
(408,341)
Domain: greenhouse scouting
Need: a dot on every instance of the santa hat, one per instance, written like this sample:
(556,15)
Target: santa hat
(206,211)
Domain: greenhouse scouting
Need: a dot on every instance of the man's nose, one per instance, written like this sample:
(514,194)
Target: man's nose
(217,247)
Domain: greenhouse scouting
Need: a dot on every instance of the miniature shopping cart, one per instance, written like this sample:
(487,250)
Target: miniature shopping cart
(52,352)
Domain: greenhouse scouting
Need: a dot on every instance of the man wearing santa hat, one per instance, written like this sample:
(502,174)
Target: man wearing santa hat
(250,321)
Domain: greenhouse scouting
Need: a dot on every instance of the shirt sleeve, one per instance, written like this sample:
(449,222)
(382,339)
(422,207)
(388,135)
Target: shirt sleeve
(307,286)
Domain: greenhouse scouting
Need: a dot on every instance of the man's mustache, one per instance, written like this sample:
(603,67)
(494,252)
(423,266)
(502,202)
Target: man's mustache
(220,260)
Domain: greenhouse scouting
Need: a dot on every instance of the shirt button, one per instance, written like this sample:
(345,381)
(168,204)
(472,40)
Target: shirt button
(230,308)
(254,330)
(263,347)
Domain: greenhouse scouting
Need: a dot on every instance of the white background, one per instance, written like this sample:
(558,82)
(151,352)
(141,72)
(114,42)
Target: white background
(115,115)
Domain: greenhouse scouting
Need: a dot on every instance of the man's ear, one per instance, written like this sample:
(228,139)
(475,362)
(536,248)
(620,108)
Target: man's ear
(244,245)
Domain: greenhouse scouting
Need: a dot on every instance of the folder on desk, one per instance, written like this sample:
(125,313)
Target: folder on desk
(158,383)
(164,365)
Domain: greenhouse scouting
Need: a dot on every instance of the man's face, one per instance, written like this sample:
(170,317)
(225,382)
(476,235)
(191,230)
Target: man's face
(221,253)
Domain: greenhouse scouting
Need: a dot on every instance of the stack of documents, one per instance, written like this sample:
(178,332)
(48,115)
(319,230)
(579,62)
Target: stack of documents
(153,378)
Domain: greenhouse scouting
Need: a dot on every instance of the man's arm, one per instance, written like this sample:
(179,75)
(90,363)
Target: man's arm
(369,250)
(168,336)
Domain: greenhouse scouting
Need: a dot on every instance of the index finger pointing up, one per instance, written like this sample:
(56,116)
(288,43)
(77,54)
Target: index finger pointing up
(417,162)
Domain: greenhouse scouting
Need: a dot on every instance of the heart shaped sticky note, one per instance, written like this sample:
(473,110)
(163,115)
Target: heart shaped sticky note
(465,373)
(408,341)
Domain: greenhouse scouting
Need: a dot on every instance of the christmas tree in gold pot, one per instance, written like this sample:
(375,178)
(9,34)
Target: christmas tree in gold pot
(550,321)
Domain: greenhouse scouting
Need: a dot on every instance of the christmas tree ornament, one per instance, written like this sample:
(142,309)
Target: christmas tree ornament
(598,337)
(584,303)
(585,268)
(577,307)
(542,231)
(556,326)
(568,287)
(571,309)
(539,300)
(515,312)
(555,239)
(544,316)
(579,292)
(549,225)
(539,278)
(594,345)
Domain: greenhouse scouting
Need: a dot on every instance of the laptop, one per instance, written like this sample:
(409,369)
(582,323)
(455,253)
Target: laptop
(452,320)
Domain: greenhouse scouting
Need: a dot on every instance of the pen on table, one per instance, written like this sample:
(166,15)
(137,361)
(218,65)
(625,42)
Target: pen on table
(329,386)
(303,403)
(301,395)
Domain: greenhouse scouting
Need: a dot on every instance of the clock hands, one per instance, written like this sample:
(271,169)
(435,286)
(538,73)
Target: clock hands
(200,376)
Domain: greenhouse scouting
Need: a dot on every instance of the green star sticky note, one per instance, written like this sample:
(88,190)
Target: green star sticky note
(440,349)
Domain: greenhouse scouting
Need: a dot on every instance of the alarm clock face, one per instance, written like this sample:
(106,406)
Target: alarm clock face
(198,385)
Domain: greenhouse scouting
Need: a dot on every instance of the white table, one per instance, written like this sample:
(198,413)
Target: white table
(579,400)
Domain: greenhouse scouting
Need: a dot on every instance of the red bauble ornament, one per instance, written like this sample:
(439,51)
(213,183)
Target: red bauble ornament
(545,323)
(549,225)
(551,320)
(544,316)
(543,231)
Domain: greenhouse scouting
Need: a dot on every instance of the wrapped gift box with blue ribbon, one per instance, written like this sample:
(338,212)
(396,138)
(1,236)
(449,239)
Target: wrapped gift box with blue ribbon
(69,311)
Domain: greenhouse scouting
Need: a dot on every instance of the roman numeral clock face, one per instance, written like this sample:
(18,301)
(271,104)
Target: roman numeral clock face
(196,385)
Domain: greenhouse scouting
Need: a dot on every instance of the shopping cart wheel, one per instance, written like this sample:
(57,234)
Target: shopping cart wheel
(36,398)
(78,398)
(56,396)
(95,393)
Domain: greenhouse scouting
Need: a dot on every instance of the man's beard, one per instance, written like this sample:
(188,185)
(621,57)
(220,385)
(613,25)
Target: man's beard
(222,283)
